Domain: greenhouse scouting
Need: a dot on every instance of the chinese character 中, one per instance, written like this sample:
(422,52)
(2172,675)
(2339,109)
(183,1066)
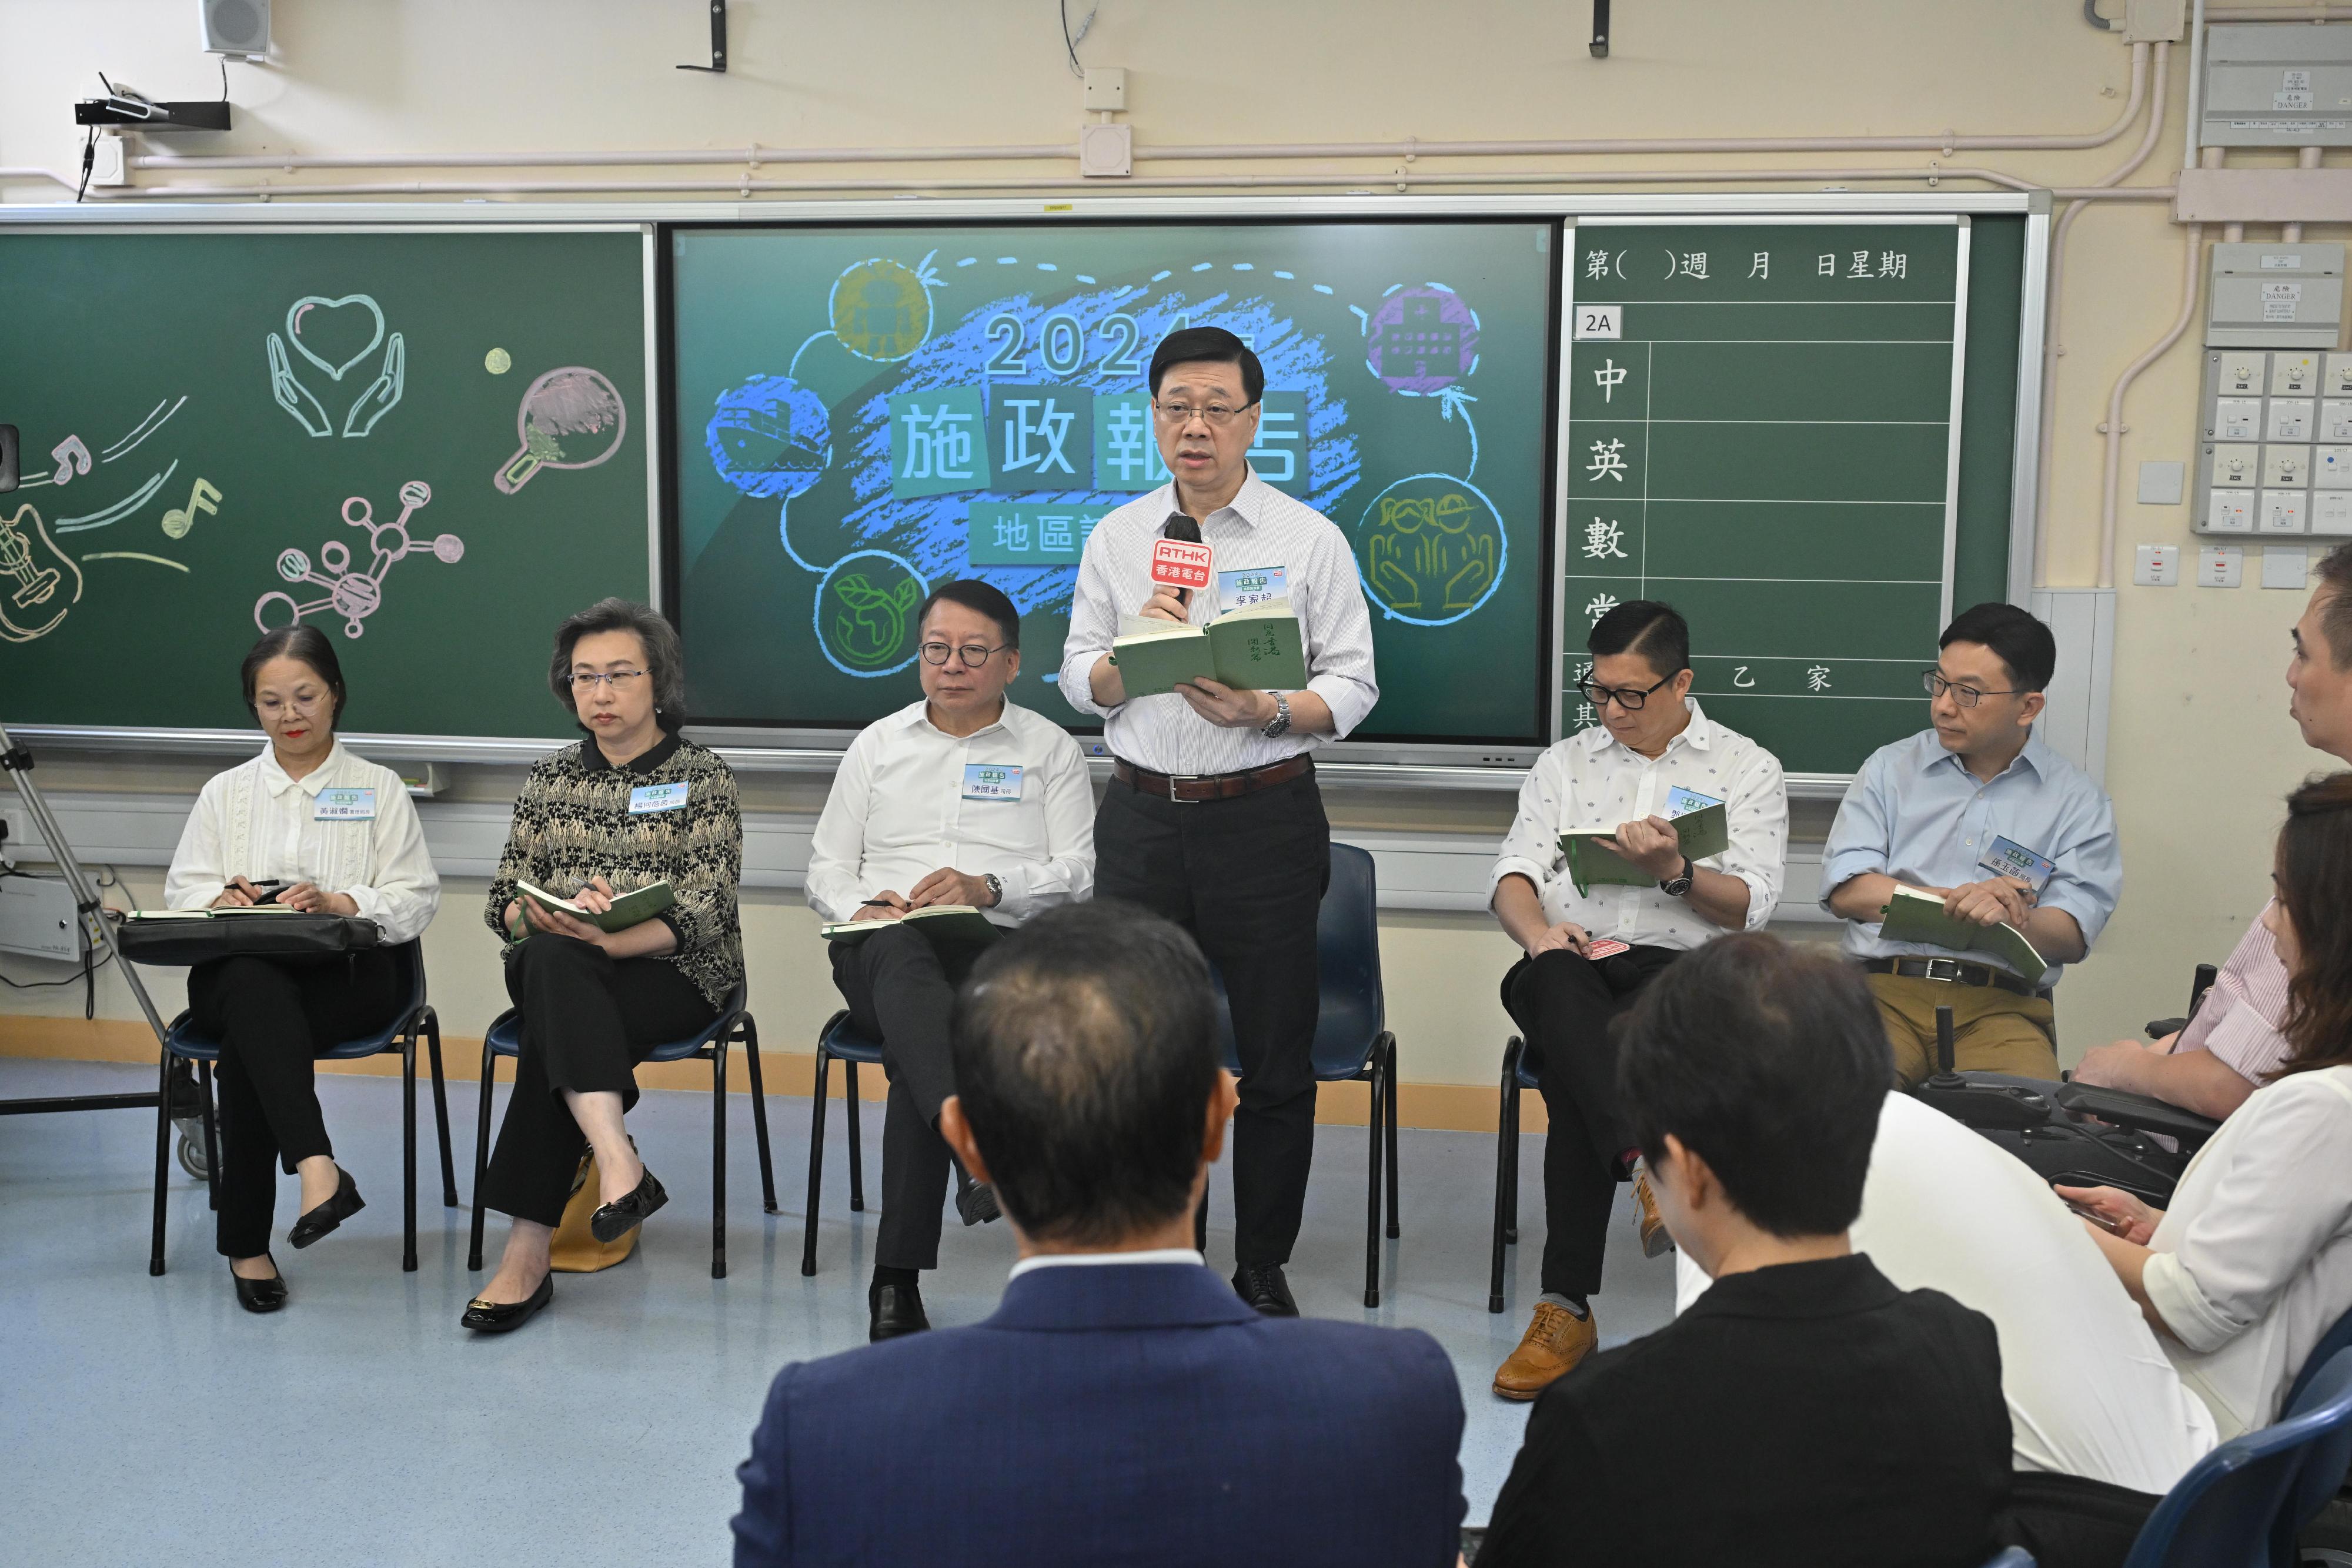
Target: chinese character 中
(1606,462)
(1053,533)
(1893,263)
(1693,265)
(1610,376)
(1602,538)
(1596,264)
(1013,534)
(1022,429)
(1127,435)
(1860,268)
(1601,604)
(941,451)
(1817,678)
(1761,266)
(1825,267)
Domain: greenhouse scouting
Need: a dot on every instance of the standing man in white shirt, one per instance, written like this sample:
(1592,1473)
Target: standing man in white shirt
(961,798)
(1589,954)
(1212,816)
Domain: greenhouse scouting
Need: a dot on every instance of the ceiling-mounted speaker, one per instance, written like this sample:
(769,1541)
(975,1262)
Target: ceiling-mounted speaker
(236,27)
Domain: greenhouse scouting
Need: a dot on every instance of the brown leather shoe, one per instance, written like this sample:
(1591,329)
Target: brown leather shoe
(1555,1342)
(1656,1240)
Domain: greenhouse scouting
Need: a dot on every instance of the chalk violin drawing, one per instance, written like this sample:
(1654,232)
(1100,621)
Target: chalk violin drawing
(334,325)
(37,587)
(570,418)
(72,457)
(179,519)
(354,595)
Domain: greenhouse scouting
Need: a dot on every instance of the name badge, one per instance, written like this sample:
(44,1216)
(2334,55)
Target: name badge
(1242,590)
(344,804)
(1682,802)
(2007,857)
(647,798)
(992,781)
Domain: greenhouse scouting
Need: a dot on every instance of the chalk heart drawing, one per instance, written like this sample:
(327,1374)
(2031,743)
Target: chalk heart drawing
(334,324)
(570,418)
(34,593)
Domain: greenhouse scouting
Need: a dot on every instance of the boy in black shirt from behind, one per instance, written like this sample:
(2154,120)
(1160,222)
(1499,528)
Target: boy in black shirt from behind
(1804,1411)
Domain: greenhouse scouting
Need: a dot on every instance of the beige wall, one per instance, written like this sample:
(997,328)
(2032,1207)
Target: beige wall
(2200,747)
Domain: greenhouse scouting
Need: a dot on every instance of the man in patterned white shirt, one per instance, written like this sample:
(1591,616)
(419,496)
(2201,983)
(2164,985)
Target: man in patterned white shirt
(1588,954)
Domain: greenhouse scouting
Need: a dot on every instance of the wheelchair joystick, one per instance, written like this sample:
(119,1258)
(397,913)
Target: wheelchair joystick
(1945,1077)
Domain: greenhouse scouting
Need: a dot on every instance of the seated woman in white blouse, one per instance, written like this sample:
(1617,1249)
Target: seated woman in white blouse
(311,826)
(2252,1263)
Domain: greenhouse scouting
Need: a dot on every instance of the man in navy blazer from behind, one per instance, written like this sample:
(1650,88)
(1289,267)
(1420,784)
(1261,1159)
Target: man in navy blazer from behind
(1123,1405)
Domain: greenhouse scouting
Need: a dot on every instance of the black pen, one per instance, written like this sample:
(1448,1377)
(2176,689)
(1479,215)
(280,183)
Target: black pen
(876,903)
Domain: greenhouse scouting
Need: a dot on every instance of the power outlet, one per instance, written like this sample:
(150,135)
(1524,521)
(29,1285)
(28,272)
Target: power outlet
(2221,565)
(1106,88)
(2157,566)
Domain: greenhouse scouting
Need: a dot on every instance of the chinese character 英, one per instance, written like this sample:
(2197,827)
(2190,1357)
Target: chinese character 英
(1601,604)
(1693,265)
(1825,267)
(1127,436)
(1893,263)
(1817,678)
(1022,429)
(1610,376)
(941,451)
(1013,534)
(1596,264)
(1607,463)
(1602,538)
(1761,266)
(1052,533)
(1860,268)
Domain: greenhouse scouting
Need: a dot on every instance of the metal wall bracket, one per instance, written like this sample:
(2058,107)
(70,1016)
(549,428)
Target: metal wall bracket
(717,40)
(1600,29)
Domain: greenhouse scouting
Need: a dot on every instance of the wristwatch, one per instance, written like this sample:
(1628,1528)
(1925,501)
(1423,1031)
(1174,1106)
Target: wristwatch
(1280,723)
(995,888)
(1679,883)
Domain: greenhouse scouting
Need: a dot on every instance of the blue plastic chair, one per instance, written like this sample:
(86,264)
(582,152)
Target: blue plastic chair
(2243,1505)
(734,1023)
(1517,1075)
(837,1041)
(2338,1337)
(415,1021)
(1352,1042)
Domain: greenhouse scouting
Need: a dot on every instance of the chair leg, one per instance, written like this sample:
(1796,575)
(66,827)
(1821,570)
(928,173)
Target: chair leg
(408,1153)
(481,1152)
(1506,1156)
(759,1114)
(857,1153)
(212,1134)
(718,1159)
(441,1109)
(816,1164)
(1393,1231)
(1377,1123)
(162,1153)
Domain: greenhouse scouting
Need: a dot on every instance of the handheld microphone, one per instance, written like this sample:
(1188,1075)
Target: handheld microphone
(1188,529)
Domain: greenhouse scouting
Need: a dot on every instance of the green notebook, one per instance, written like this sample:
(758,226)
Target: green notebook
(628,909)
(1915,916)
(1702,824)
(949,923)
(1257,648)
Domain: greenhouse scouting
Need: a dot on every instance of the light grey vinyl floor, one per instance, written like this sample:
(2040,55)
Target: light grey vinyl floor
(150,1420)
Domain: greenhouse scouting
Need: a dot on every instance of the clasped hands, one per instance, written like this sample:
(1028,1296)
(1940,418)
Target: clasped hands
(1228,708)
(302,897)
(945,886)
(1993,902)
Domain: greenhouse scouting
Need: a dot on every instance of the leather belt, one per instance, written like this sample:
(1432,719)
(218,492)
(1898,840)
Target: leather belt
(1195,787)
(1951,971)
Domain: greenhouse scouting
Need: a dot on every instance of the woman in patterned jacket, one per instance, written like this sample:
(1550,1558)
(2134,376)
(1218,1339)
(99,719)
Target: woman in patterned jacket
(633,805)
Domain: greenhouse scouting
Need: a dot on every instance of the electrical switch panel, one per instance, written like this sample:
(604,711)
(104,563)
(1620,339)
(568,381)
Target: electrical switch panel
(2279,295)
(2277,453)
(2270,86)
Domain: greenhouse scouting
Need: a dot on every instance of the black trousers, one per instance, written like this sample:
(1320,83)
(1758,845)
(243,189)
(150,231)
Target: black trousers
(1246,876)
(273,1016)
(1564,1005)
(587,1019)
(900,988)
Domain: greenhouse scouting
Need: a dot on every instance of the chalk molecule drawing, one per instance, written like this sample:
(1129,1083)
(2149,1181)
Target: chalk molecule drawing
(336,324)
(352,594)
(570,418)
(34,593)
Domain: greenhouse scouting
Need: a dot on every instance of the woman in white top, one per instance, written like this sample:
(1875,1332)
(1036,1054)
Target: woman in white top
(2252,1263)
(311,826)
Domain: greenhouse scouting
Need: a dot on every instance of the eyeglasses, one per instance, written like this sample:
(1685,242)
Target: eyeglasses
(1180,414)
(1630,698)
(298,705)
(583,681)
(1966,696)
(972,655)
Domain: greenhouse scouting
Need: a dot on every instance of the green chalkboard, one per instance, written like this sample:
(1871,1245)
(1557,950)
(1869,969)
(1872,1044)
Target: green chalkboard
(1766,429)
(430,444)
(863,412)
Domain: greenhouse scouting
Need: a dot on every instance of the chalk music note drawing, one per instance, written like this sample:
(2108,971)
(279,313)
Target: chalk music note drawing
(179,519)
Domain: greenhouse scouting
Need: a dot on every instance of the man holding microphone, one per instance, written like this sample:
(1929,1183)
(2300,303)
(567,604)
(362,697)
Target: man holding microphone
(1212,816)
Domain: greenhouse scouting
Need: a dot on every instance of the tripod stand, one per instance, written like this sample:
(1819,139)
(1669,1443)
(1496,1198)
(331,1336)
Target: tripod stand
(18,763)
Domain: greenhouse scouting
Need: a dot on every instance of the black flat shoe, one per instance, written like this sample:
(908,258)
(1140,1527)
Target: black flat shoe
(504,1317)
(614,1220)
(976,1203)
(1263,1288)
(892,1311)
(346,1202)
(260,1295)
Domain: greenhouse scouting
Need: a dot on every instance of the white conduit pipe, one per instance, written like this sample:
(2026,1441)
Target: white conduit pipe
(2113,427)
(2054,347)
(2282,13)
(2193,122)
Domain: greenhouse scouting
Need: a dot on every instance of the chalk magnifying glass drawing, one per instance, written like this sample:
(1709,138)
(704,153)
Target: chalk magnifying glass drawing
(570,418)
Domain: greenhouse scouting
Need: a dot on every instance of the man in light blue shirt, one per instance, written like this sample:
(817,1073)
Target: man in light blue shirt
(1980,813)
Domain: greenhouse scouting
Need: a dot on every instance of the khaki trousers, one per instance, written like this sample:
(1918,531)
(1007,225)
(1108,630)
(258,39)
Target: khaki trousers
(1993,1030)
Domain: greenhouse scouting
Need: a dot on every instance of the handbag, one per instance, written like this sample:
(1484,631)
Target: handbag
(176,941)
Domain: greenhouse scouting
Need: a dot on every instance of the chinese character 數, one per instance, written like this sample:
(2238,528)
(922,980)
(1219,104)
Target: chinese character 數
(1817,678)
(1602,538)
(1607,463)
(1610,376)
(938,445)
